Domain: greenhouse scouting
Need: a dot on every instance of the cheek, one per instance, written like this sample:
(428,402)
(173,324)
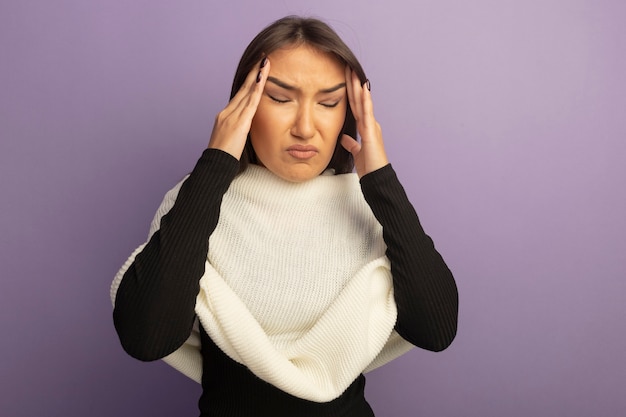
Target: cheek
(269,121)
(259,124)
(263,133)
(334,123)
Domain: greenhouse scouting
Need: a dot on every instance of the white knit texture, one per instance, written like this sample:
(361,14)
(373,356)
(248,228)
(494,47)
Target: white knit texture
(297,286)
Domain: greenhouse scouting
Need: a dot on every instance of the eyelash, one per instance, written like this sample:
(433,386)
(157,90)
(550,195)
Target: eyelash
(329,106)
(277,100)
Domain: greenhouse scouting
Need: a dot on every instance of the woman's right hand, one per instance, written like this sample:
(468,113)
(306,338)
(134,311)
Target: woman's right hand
(232,124)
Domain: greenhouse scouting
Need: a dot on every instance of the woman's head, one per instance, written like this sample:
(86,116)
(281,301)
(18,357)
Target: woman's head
(315,39)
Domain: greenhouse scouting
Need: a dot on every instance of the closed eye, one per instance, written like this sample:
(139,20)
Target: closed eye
(277,100)
(282,101)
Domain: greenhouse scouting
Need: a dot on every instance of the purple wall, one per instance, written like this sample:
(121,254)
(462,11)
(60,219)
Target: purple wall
(504,119)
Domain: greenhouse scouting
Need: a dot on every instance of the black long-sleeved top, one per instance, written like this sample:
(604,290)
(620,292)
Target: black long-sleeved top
(154,308)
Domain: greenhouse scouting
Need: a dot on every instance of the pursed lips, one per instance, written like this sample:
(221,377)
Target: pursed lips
(302,151)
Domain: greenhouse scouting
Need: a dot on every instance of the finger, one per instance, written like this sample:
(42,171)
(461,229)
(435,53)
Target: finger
(256,90)
(350,145)
(233,123)
(367,106)
(357,94)
(253,84)
(350,89)
(354,88)
(245,87)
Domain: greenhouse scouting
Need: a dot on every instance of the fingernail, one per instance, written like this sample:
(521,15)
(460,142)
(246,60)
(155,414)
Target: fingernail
(263,62)
(258,77)
(368,85)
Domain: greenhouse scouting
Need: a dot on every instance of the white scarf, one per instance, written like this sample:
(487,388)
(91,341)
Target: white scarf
(297,286)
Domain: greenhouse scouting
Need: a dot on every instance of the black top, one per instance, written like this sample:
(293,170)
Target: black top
(154,307)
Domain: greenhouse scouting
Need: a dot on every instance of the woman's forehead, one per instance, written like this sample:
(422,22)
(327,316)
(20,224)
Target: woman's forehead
(303,65)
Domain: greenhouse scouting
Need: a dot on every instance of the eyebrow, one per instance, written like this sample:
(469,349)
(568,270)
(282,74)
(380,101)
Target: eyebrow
(286,86)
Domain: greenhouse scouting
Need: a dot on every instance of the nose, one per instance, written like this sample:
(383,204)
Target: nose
(304,123)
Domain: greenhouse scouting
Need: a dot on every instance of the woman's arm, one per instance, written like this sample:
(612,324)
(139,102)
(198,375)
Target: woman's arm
(154,305)
(424,288)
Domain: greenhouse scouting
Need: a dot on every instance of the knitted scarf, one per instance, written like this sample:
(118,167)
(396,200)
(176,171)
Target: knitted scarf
(297,286)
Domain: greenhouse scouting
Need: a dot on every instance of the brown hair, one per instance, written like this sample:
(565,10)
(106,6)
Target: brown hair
(295,31)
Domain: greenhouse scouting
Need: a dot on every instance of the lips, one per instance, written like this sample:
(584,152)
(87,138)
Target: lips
(302,151)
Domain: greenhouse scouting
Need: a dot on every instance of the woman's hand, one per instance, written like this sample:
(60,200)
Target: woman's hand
(232,124)
(369,155)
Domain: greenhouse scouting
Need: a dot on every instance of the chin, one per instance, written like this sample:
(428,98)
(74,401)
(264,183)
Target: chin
(295,178)
(298,174)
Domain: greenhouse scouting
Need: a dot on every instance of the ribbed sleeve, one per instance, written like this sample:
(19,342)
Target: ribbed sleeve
(424,288)
(154,305)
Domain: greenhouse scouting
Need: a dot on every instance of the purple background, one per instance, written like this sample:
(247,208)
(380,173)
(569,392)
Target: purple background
(504,119)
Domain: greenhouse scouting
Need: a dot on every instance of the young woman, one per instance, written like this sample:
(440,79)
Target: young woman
(272,274)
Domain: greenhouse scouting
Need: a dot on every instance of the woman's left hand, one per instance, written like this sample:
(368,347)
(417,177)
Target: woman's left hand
(369,155)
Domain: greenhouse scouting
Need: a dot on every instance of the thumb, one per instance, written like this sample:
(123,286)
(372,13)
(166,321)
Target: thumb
(350,145)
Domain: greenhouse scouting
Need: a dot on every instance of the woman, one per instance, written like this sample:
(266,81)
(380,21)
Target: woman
(273,275)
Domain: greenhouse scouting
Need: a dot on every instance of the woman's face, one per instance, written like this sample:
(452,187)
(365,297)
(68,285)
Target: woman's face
(301,113)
